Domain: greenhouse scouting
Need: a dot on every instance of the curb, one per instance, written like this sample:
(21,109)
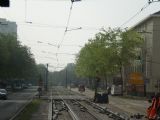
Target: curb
(22,108)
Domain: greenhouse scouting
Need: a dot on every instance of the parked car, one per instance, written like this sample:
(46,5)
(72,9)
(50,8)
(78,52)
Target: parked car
(3,94)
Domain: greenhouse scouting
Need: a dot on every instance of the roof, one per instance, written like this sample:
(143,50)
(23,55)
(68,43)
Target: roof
(157,14)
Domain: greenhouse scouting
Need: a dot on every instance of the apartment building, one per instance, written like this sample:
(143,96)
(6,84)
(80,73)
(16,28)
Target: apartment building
(8,27)
(143,77)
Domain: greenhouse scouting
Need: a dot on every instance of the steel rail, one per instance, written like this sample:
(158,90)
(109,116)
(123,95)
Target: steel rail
(73,115)
(94,105)
(96,117)
(115,115)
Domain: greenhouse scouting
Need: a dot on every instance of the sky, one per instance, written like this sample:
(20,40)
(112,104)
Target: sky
(42,23)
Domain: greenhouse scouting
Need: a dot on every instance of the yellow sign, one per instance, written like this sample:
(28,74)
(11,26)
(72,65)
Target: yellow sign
(136,78)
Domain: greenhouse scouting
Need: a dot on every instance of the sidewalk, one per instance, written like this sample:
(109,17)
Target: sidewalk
(42,113)
(120,104)
(43,110)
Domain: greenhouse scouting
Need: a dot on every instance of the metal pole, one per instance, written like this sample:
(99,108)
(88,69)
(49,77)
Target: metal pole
(47,78)
(66,77)
(70,83)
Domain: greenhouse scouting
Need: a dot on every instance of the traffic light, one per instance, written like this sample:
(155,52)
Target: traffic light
(4,3)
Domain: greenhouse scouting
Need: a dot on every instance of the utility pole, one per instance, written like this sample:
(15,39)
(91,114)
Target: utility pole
(66,77)
(46,87)
(70,83)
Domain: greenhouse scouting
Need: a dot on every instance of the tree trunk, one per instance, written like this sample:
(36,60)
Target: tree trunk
(106,83)
(121,79)
(97,80)
(90,83)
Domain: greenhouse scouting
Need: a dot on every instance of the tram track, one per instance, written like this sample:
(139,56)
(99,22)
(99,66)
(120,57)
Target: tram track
(83,109)
(73,109)
(70,110)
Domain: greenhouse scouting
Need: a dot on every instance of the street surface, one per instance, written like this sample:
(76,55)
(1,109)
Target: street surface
(74,99)
(122,105)
(15,101)
(117,105)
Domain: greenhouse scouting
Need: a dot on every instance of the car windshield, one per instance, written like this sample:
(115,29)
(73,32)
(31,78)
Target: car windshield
(80,59)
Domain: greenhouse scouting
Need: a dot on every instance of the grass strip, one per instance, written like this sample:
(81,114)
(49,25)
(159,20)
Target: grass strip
(31,108)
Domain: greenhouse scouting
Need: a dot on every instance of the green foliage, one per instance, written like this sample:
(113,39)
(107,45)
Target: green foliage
(107,52)
(41,71)
(68,73)
(16,61)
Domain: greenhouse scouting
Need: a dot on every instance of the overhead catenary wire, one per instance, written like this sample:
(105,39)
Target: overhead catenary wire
(58,47)
(131,18)
(53,44)
(143,8)
(41,25)
(59,53)
(66,26)
(45,57)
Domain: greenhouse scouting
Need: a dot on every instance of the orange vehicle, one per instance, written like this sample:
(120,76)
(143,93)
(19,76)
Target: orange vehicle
(153,112)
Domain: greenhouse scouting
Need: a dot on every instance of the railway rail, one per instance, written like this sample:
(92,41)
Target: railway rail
(83,109)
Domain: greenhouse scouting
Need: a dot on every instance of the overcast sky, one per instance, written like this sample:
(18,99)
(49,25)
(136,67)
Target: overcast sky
(41,23)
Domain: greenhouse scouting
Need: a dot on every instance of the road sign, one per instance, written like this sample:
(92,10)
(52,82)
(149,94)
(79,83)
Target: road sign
(136,78)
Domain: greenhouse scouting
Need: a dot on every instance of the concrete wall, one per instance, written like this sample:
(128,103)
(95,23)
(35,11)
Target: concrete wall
(151,54)
(148,52)
(156,55)
(150,30)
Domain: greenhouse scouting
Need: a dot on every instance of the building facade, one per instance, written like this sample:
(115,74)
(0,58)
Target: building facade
(8,27)
(143,77)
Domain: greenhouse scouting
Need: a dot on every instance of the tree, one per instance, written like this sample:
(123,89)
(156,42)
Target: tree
(16,61)
(108,53)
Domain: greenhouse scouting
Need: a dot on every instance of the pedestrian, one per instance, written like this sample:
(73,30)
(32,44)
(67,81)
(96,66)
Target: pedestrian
(39,91)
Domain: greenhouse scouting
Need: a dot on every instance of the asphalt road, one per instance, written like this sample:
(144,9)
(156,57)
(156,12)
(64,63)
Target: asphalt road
(15,101)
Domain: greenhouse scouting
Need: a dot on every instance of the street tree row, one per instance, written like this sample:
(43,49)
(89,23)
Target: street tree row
(108,53)
(16,60)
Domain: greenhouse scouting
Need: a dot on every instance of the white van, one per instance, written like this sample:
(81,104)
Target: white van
(116,90)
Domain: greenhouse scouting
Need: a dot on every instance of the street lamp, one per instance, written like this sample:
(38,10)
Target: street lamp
(46,86)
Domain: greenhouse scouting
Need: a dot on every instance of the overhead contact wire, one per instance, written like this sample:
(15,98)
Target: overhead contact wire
(65,31)
(66,26)
(144,7)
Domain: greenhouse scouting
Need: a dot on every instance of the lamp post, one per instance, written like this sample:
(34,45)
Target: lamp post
(66,77)
(46,86)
